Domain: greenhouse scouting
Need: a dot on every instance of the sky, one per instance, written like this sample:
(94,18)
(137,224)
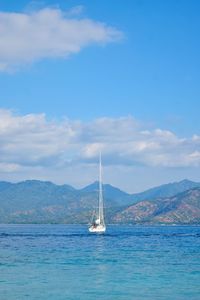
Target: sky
(79,77)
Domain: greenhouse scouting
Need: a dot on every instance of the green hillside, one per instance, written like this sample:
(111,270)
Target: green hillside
(35,201)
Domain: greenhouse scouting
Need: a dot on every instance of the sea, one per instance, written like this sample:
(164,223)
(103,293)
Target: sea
(65,262)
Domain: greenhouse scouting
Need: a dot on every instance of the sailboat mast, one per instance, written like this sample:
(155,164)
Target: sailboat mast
(98,226)
(101,217)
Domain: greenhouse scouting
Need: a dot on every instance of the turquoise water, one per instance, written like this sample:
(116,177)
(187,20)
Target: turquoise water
(58,262)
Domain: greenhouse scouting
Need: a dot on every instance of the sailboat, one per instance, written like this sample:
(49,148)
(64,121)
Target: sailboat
(98,223)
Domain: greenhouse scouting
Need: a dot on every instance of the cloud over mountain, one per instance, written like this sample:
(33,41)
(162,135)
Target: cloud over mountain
(33,141)
(48,33)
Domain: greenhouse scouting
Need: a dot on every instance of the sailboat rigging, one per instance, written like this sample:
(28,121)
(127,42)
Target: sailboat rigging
(98,223)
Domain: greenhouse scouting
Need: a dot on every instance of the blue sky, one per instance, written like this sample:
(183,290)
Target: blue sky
(148,71)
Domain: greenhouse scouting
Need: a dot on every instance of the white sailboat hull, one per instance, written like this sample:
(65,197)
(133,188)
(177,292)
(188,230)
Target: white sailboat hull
(97,229)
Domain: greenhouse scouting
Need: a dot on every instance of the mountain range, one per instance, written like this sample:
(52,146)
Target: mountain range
(35,201)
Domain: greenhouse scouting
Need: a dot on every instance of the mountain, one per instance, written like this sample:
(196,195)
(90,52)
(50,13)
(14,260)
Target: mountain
(4,185)
(166,190)
(184,208)
(35,201)
(113,195)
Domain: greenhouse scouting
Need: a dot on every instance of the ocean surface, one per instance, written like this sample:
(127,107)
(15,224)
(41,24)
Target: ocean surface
(64,262)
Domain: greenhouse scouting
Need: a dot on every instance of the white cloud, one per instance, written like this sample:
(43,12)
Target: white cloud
(31,140)
(33,147)
(8,168)
(47,33)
